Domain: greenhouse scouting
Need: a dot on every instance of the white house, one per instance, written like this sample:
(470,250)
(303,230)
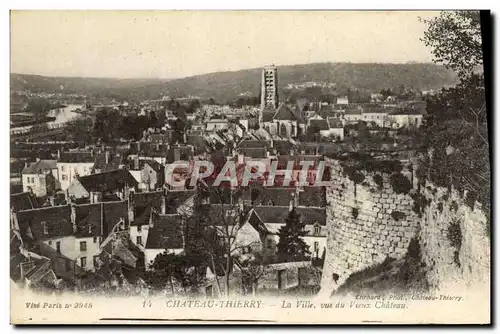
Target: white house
(165,234)
(40,177)
(73,164)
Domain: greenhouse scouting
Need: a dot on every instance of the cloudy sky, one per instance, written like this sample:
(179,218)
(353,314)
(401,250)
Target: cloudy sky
(160,44)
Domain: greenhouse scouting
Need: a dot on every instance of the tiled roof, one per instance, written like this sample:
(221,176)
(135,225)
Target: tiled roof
(313,196)
(23,201)
(283,146)
(249,143)
(269,196)
(90,215)
(353,111)
(267,116)
(143,199)
(157,167)
(254,152)
(285,113)
(114,162)
(407,111)
(42,165)
(166,233)
(76,157)
(375,110)
(318,124)
(175,198)
(56,218)
(108,181)
(334,123)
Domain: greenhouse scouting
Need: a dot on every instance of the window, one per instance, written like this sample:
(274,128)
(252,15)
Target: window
(83,262)
(139,228)
(139,240)
(316,246)
(317,230)
(68,264)
(62,168)
(58,246)
(230,213)
(50,243)
(83,246)
(65,177)
(95,239)
(96,260)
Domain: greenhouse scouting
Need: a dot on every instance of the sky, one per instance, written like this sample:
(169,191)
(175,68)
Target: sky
(175,44)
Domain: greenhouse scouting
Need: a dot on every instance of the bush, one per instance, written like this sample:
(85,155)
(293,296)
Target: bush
(378,180)
(440,207)
(400,183)
(455,237)
(419,203)
(397,215)
(470,199)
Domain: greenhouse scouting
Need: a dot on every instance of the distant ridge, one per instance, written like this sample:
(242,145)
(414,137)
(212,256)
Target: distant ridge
(223,86)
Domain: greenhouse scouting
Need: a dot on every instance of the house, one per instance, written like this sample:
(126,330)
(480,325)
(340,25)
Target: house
(74,232)
(216,124)
(318,126)
(142,207)
(93,224)
(73,164)
(165,234)
(153,175)
(108,186)
(335,128)
(342,100)
(376,116)
(23,201)
(283,122)
(40,177)
(105,162)
(405,119)
(274,217)
(353,115)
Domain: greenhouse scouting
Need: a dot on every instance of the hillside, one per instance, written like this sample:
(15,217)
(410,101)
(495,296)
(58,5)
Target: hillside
(223,86)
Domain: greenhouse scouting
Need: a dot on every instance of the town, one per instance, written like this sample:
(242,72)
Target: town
(118,214)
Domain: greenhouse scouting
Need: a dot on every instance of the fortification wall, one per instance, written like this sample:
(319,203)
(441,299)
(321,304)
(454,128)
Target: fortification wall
(370,217)
(367,219)
(454,240)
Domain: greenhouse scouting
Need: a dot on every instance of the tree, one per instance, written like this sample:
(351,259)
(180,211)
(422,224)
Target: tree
(455,128)
(253,267)
(291,245)
(455,40)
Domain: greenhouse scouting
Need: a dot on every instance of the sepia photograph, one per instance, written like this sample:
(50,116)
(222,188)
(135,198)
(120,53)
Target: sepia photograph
(250,167)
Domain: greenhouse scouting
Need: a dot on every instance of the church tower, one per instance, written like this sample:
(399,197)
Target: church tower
(269,88)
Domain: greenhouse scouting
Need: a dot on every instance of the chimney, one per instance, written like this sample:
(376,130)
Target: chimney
(291,206)
(107,157)
(73,216)
(130,206)
(52,200)
(163,204)
(177,154)
(58,154)
(136,162)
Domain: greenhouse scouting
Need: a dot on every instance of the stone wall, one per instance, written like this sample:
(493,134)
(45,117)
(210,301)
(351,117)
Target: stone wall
(367,221)
(370,219)
(455,241)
